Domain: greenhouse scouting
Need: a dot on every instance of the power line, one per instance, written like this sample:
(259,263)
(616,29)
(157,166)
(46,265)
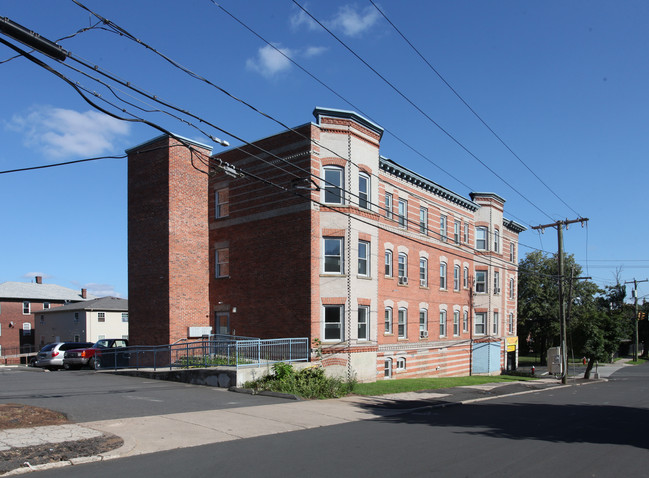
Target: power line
(32,168)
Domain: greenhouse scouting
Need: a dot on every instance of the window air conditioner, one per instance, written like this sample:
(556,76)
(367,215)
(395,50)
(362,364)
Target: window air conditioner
(422,282)
(403,280)
(423,334)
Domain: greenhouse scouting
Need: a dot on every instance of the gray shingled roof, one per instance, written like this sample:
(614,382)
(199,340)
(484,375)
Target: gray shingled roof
(103,303)
(34,291)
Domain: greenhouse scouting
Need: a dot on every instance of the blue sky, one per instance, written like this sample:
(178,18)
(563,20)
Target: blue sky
(563,84)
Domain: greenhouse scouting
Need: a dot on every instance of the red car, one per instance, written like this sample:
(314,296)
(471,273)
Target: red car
(93,357)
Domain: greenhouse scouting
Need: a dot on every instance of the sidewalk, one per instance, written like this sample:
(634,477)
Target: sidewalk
(152,434)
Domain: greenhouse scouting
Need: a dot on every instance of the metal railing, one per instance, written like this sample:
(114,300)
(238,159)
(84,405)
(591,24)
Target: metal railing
(233,351)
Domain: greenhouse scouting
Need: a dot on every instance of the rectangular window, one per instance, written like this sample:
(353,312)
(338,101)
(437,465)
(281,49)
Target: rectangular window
(333,193)
(221,203)
(364,191)
(423,272)
(42,320)
(442,323)
(403,323)
(456,232)
(466,278)
(442,228)
(456,322)
(512,253)
(388,263)
(403,268)
(442,275)
(456,277)
(511,288)
(46,305)
(481,282)
(363,322)
(465,321)
(75,338)
(423,324)
(496,282)
(101,316)
(496,323)
(403,213)
(496,240)
(401,363)
(388,320)
(466,232)
(333,322)
(124,316)
(481,238)
(387,368)
(388,205)
(480,323)
(333,255)
(423,220)
(27,308)
(363,258)
(510,324)
(223,262)
(76,317)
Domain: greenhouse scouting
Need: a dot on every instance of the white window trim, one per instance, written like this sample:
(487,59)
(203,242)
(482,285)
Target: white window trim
(367,199)
(388,321)
(366,313)
(341,323)
(328,187)
(389,263)
(423,324)
(341,255)
(366,259)
(443,323)
(423,271)
(405,323)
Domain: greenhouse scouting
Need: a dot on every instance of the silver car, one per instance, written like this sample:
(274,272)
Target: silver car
(51,355)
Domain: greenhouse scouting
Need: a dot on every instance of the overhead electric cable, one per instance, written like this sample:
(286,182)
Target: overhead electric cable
(496,135)
(66,163)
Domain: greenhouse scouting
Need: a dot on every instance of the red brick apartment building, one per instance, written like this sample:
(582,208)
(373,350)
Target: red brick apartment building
(322,237)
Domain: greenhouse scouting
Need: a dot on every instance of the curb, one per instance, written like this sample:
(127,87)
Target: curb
(250,391)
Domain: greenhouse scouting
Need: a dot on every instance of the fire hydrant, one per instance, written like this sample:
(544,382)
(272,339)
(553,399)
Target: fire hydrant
(532,370)
(584,360)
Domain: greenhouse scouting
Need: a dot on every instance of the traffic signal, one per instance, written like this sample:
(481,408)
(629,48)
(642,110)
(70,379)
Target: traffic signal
(642,315)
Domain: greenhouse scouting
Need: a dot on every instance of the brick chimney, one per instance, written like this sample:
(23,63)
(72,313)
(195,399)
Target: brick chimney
(84,293)
(39,279)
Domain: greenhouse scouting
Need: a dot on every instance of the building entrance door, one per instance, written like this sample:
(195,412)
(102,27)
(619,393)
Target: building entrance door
(222,323)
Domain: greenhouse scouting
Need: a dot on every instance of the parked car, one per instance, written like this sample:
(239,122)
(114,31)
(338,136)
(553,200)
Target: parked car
(51,355)
(103,353)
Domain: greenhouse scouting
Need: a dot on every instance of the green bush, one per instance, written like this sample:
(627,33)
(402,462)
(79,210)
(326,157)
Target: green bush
(307,383)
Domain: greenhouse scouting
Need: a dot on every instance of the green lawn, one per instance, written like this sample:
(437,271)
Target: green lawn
(417,384)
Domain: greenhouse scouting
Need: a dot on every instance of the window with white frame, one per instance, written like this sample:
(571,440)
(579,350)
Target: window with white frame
(364,191)
(401,363)
(456,231)
(387,367)
(479,323)
(495,324)
(511,288)
(124,316)
(333,255)
(423,324)
(387,322)
(442,275)
(456,277)
(465,321)
(512,252)
(333,323)
(221,203)
(363,258)
(442,323)
(496,282)
(481,282)
(510,324)
(402,267)
(402,211)
(423,220)
(481,238)
(466,232)
(101,316)
(46,305)
(333,185)
(27,308)
(76,317)
(363,322)
(402,323)
(388,205)
(388,263)
(496,240)
(423,272)
(442,228)
(223,262)
(466,278)
(456,322)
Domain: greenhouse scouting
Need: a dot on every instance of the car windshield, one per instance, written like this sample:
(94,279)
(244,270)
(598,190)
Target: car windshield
(48,347)
(101,344)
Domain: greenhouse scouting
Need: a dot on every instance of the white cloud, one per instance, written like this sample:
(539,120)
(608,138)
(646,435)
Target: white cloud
(61,132)
(300,18)
(101,290)
(312,51)
(353,22)
(269,62)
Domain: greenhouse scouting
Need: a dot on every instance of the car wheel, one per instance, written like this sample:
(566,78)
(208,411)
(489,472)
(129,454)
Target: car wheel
(92,363)
(66,366)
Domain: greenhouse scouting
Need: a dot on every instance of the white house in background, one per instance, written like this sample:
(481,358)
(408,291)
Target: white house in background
(89,321)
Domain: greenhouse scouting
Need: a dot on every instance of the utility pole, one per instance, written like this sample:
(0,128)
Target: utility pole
(635,315)
(562,313)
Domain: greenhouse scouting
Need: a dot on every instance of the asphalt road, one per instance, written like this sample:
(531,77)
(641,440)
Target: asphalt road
(85,395)
(598,429)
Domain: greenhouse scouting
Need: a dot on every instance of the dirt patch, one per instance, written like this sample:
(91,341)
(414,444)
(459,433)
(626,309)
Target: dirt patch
(24,416)
(13,415)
